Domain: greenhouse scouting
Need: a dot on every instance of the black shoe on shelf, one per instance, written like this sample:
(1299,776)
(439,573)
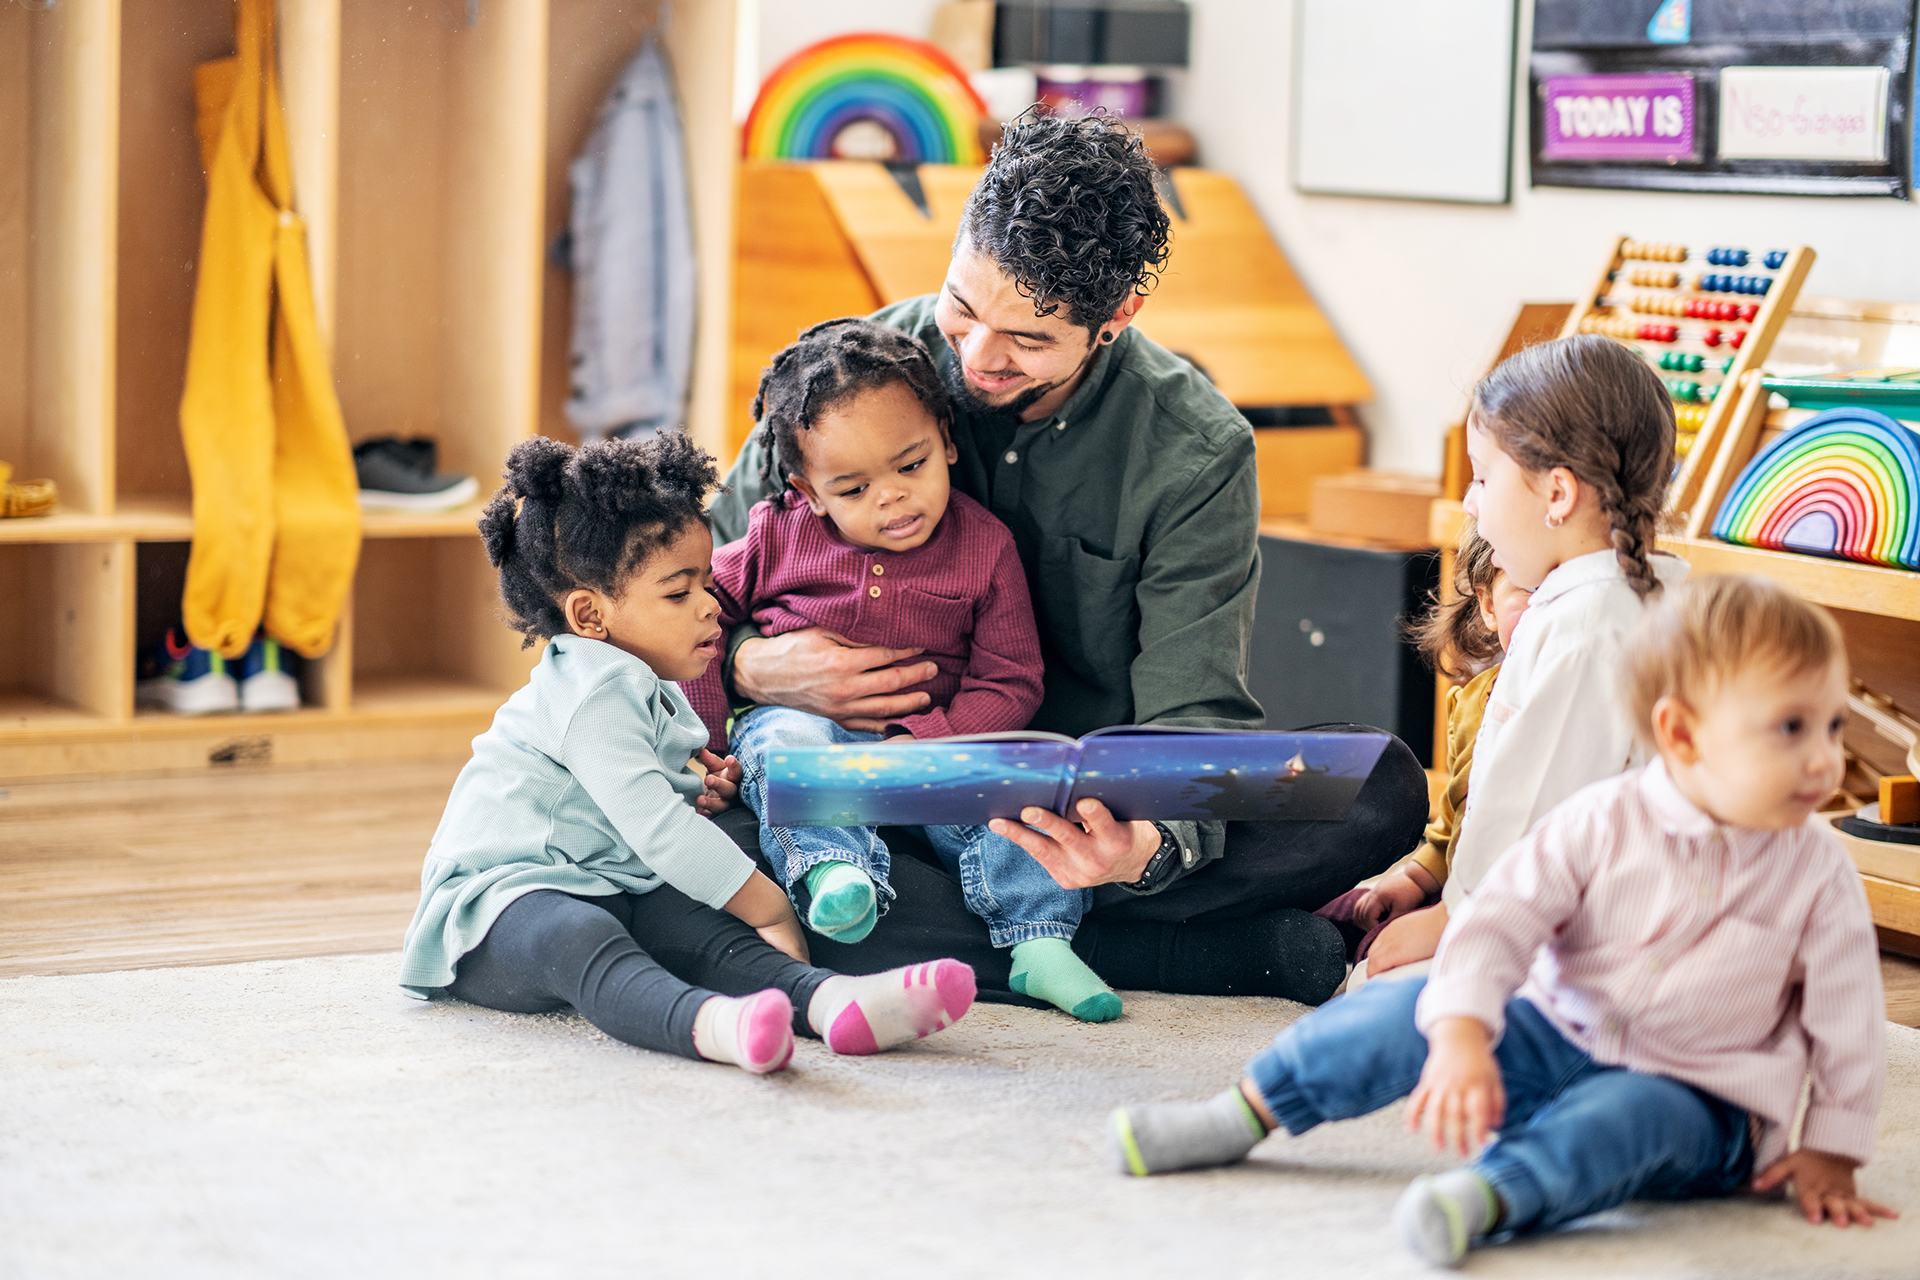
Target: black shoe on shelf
(400,475)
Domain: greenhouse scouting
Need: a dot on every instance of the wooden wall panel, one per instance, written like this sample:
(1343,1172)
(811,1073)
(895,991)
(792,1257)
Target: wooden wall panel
(793,266)
(393,214)
(89,586)
(1230,299)
(75,78)
(162,196)
(16,33)
(309,32)
(699,39)
(591,43)
(904,253)
(490,242)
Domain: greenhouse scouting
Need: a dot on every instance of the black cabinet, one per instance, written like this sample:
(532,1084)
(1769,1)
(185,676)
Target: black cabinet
(1329,642)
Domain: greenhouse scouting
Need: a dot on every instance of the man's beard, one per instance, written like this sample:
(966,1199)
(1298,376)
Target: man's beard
(968,399)
(976,406)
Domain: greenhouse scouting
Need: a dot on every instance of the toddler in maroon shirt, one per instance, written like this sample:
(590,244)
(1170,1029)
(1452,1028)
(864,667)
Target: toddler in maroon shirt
(869,542)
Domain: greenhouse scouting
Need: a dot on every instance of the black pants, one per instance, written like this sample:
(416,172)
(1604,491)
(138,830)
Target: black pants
(550,950)
(1132,941)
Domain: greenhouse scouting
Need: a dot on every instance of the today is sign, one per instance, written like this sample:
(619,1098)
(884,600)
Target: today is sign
(1619,117)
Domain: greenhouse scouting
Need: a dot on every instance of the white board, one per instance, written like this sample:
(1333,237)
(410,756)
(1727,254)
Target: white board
(1404,98)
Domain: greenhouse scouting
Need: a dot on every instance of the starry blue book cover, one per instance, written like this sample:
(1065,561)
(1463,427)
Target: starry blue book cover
(1138,772)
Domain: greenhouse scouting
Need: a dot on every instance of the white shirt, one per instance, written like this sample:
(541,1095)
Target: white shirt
(1658,939)
(1554,722)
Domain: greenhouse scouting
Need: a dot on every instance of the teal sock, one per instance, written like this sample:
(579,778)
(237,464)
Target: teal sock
(1047,969)
(844,906)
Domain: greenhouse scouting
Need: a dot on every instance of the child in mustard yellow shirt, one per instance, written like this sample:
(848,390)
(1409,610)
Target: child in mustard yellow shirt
(1462,636)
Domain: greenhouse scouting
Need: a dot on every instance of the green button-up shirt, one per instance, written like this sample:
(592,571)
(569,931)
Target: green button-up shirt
(1135,509)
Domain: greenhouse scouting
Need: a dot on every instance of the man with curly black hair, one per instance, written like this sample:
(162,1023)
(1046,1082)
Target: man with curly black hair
(1128,483)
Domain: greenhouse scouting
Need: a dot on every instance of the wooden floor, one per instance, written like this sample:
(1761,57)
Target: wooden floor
(246,864)
(257,864)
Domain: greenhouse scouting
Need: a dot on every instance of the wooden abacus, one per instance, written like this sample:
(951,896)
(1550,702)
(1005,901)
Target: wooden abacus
(1708,324)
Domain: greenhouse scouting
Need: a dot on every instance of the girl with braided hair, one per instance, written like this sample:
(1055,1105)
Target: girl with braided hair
(1571,444)
(576,865)
(869,541)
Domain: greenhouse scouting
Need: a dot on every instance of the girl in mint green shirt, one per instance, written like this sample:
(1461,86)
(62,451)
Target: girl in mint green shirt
(576,865)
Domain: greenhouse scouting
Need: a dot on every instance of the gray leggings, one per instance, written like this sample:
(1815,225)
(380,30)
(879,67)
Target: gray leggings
(550,950)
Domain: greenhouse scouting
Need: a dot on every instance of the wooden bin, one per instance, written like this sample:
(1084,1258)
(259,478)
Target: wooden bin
(429,159)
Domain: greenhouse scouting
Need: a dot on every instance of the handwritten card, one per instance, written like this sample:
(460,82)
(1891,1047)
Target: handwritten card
(1804,113)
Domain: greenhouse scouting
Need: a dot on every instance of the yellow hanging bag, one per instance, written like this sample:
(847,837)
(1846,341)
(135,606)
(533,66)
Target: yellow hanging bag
(276,517)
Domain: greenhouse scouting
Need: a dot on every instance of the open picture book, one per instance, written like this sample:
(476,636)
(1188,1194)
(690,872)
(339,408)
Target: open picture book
(1137,771)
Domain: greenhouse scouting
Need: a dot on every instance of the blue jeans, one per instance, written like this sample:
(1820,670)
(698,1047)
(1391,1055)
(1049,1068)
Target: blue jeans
(1579,1137)
(999,881)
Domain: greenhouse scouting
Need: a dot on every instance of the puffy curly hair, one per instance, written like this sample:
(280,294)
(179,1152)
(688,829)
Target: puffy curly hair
(569,518)
(825,366)
(1068,208)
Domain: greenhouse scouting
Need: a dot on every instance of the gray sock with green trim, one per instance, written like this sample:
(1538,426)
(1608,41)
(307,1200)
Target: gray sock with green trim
(1440,1217)
(1164,1136)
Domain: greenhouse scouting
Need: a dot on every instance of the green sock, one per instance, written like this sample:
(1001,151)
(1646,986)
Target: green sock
(844,907)
(1047,969)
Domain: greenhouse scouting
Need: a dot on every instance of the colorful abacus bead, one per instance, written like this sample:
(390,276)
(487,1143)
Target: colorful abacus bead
(1689,418)
(1653,251)
(1658,332)
(1775,260)
(1653,278)
(1713,337)
(1727,257)
(1683,443)
(1739,337)
(1726,366)
(1680,389)
(1610,327)
(1746,312)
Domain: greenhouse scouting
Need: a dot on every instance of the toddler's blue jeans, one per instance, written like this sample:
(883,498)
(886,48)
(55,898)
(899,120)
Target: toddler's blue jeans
(1000,882)
(1579,1137)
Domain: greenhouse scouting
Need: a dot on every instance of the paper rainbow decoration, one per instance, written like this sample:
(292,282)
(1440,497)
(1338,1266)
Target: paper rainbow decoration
(906,88)
(1845,483)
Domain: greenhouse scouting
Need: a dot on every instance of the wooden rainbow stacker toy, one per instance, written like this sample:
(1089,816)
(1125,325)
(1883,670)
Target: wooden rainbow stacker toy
(1701,318)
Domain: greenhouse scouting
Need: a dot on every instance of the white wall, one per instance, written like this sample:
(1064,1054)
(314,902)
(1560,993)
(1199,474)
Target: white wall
(787,26)
(1422,292)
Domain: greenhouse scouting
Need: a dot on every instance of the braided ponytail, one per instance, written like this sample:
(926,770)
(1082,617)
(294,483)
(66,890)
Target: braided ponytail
(1588,404)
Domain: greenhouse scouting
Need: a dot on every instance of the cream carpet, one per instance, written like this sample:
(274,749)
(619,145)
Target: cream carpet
(302,1118)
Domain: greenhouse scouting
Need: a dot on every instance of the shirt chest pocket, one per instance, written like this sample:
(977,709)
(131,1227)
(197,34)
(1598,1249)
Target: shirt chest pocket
(924,620)
(1087,607)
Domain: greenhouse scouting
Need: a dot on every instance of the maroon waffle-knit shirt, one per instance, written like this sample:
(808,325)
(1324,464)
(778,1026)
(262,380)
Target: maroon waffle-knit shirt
(960,596)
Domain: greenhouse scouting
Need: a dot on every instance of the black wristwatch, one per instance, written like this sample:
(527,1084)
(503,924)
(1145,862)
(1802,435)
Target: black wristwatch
(1158,865)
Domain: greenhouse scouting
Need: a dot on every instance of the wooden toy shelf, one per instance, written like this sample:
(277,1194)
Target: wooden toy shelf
(430,166)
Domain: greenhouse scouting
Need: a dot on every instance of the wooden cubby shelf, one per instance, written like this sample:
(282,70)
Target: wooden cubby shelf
(430,157)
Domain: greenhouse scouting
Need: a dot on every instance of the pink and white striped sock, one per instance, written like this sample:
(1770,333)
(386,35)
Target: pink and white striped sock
(752,1032)
(868,1014)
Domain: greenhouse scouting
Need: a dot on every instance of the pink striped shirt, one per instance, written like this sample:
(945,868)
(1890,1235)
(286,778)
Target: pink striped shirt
(1659,939)
(961,596)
